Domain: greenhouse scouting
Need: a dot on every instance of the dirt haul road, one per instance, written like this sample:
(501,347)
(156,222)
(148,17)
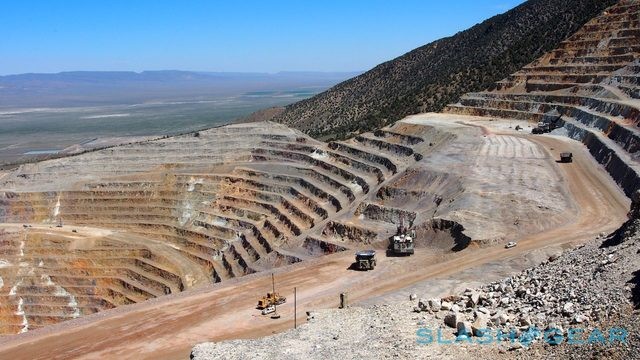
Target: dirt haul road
(168,327)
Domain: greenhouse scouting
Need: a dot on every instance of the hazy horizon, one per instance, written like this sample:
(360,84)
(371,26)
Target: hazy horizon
(186,70)
(51,114)
(99,88)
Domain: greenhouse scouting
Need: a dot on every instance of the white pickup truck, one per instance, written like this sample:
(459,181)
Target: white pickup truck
(268,310)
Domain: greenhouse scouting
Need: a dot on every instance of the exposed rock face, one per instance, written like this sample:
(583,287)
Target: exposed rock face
(634,212)
(631,227)
(187,211)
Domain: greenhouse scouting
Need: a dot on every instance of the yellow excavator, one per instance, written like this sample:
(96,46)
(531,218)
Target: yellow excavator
(272,298)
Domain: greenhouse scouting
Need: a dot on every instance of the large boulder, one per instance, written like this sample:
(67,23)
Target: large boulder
(474,299)
(452,319)
(479,326)
(464,328)
(500,318)
(568,309)
(423,304)
(435,304)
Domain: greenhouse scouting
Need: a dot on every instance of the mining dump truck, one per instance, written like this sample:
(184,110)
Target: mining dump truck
(566,157)
(402,243)
(366,260)
(271,299)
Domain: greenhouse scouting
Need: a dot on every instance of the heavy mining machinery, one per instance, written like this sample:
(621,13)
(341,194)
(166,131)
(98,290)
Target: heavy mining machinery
(566,157)
(271,299)
(402,243)
(550,121)
(365,260)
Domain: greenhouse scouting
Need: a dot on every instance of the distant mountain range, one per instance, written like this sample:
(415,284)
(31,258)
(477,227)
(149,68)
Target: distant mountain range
(82,88)
(434,75)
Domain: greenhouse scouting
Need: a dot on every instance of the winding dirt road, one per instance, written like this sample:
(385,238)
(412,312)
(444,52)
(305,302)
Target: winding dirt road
(168,327)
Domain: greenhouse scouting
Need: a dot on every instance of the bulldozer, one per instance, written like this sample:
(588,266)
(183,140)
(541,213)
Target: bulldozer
(271,299)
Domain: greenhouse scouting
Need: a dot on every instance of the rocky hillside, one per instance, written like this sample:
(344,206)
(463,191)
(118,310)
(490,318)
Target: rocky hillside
(572,295)
(436,74)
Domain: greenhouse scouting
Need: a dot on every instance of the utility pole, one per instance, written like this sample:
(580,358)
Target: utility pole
(295,308)
(275,301)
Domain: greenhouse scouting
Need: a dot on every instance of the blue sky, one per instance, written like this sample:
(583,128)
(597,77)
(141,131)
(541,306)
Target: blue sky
(232,35)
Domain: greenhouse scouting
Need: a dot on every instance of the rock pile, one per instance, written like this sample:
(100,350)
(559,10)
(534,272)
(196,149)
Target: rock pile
(581,288)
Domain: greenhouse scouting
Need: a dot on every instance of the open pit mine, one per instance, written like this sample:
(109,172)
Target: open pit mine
(152,247)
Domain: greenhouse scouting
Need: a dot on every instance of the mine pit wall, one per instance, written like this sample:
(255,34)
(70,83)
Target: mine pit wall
(60,289)
(169,209)
(604,106)
(387,214)
(453,229)
(241,261)
(314,190)
(403,138)
(261,240)
(304,158)
(316,247)
(100,265)
(281,190)
(625,137)
(256,198)
(631,92)
(350,232)
(358,165)
(377,159)
(27,207)
(383,145)
(388,193)
(276,259)
(429,232)
(495,113)
(347,192)
(421,190)
(624,175)
(268,208)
